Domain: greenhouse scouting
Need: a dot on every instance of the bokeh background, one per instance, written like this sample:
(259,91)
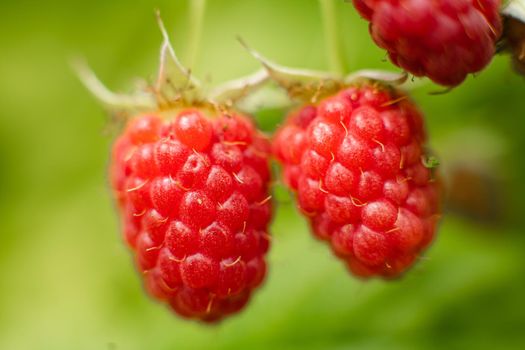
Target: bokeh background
(66,279)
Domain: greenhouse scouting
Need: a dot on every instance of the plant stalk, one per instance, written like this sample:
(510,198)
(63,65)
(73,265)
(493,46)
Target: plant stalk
(332,37)
(197,10)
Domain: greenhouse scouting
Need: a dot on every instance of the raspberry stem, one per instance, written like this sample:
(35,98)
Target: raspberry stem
(332,38)
(515,9)
(197,10)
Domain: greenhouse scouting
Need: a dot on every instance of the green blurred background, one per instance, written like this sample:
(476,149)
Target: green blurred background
(67,281)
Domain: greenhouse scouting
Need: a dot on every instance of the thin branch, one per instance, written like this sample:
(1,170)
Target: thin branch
(197,10)
(332,37)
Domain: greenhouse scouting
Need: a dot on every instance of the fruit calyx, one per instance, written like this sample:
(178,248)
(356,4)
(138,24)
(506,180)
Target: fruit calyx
(174,90)
(311,86)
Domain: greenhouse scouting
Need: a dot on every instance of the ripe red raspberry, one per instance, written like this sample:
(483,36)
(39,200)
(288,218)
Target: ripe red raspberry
(442,39)
(192,190)
(356,163)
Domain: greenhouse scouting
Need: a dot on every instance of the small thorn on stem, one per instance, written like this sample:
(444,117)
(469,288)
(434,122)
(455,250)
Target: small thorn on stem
(234,143)
(265,200)
(321,187)
(344,127)
(394,101)
(357,202)
(172,258)
(237,178)
(138,187)
(408,178)
(210,303)
(395,229)
(380,144)
(153,248)
(233,263)
(140,214)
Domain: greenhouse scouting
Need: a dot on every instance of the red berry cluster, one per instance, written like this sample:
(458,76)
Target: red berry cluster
(193,196)
(442,39)
(356,163)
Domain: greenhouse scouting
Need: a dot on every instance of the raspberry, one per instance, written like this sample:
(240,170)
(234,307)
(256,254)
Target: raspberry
(355,161)
(444,40)
(193,195)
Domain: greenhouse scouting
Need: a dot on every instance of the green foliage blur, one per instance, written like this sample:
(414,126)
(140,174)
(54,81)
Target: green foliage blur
(67,280)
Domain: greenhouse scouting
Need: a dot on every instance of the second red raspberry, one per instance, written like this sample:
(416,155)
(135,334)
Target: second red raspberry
(356,162)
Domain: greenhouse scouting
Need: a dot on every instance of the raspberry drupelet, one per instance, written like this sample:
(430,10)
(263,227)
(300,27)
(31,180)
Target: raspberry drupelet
(356,163)
(192,189)
(444,40)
